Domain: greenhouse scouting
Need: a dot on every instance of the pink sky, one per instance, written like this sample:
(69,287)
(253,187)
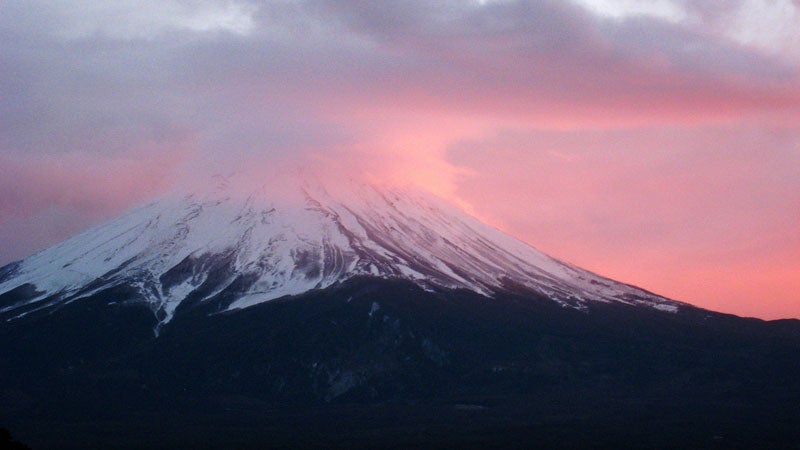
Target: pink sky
(657,143)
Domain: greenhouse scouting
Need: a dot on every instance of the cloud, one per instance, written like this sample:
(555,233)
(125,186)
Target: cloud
(622,9)
(48,198)
(91,184)
(767,26)
(549,63)
(127,19)
(552,62)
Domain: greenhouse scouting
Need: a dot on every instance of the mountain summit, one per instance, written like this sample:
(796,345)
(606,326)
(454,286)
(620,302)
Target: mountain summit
(237,249)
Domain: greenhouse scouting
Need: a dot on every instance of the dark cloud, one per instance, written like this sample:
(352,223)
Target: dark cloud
(552,58)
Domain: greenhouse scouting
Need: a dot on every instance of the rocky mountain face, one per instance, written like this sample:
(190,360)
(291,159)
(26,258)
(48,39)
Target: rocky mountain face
(357,316)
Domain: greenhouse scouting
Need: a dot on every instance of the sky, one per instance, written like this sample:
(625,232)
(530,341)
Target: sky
(653,142)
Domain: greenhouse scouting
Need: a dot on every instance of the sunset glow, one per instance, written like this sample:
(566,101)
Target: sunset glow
(656,143)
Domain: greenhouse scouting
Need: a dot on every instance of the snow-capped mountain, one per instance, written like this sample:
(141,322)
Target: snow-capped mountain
(242,249)
(344,315)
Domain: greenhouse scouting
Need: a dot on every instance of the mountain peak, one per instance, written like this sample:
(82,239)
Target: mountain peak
(240,246)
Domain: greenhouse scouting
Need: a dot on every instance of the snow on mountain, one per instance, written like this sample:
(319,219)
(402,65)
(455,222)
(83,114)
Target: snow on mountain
(252,248)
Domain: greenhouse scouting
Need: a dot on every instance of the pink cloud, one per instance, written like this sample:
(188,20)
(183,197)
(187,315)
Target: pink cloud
(46,198)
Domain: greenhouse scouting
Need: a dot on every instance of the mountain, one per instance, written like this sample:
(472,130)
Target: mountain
(236,250)
(322,315)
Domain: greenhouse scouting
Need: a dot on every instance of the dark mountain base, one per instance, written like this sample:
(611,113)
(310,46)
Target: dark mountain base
(509,423)
(375,363)
(617,423)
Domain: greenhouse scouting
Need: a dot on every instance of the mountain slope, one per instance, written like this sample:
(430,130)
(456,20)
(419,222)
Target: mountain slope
(243,249)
